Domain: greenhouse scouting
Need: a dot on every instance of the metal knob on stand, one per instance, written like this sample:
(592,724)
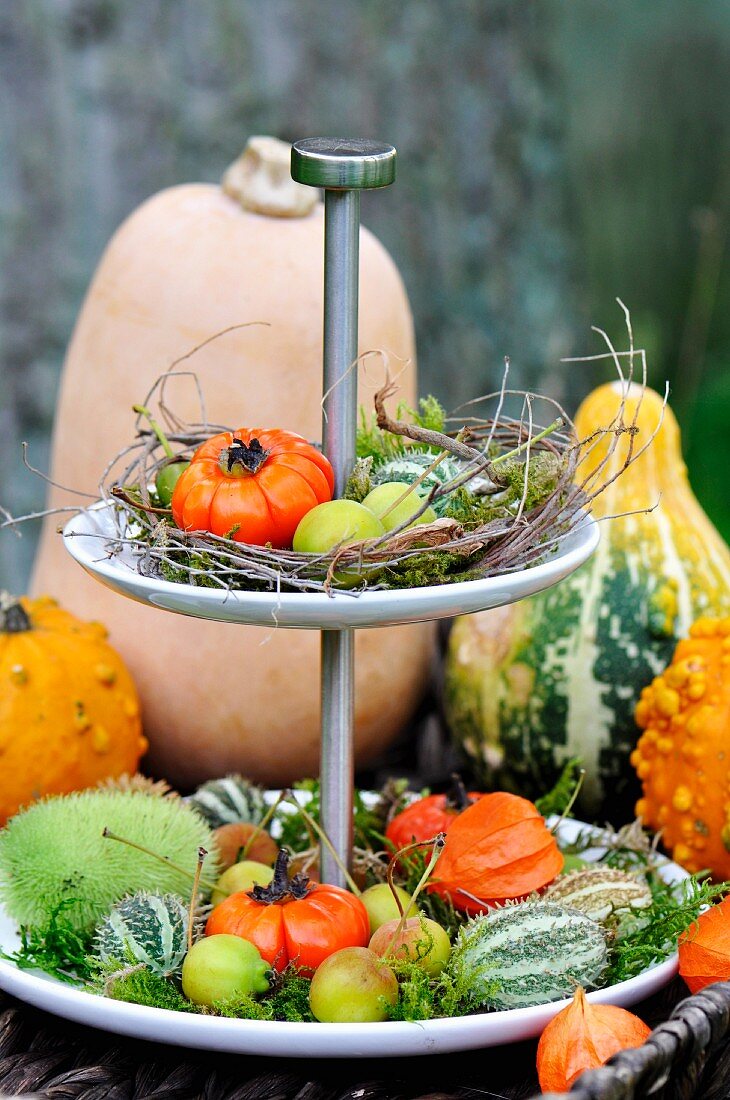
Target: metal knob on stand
(343,167)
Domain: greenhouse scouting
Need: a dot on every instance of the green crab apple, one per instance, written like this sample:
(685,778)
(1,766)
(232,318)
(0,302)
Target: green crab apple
(352,986)
(334,523)
(384,500)
(218,967)
(241,876)
(382,906)
(421,940)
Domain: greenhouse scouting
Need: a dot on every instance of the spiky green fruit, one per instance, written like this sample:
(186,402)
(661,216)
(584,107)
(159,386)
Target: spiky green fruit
(53,855)
(528,954)
(233,798)
(149,928)
(600,892)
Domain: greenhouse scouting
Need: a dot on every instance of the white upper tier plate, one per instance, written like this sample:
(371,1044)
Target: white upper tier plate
(311,1040)
(89,536)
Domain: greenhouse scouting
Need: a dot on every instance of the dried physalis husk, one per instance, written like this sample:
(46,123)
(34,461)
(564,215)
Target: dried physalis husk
(584,1036)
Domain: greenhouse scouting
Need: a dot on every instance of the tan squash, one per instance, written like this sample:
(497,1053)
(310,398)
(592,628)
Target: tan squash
(189,262)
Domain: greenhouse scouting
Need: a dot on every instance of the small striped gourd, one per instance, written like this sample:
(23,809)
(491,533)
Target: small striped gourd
(558,675)
(147,928)
(228,800)
(528,954)
(600,892)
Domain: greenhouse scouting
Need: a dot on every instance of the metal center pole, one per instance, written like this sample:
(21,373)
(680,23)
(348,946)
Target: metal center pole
(343,167)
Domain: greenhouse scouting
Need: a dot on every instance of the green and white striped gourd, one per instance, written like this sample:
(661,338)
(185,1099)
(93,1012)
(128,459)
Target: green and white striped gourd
(409,469)
(528,954)
(233,798)
(147,928)
(600,892)
(558,675)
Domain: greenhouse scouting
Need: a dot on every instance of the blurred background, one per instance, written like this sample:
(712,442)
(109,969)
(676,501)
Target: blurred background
(553,155)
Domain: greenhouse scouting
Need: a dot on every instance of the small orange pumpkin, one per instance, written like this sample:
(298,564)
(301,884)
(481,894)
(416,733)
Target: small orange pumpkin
(252,485)
(69,712)
(682,757)
(293,920)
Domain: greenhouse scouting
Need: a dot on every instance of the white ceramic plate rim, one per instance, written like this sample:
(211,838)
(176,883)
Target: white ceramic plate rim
(312,610)
(310,1040)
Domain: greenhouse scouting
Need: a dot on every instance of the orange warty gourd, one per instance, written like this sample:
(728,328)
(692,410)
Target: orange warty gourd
(189,262)
(584,1036)
(69,712)
(682,757)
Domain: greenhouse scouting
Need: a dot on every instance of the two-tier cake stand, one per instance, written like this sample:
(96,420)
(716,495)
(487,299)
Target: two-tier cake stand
(343,168)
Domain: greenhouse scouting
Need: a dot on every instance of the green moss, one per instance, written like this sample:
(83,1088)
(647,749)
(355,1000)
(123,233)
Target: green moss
(138,985)
(382,446)
(288,1000)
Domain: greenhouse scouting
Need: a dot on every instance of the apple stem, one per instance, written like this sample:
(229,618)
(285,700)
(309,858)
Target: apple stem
(156,855)
(438,846)
(202,853)
(142,410)
(310,821)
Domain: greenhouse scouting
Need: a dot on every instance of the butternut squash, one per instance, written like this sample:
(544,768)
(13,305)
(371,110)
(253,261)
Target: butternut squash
(191,261)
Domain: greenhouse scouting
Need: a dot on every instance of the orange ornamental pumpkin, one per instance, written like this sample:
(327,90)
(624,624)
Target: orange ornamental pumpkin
(292,920)
(497,850)
(256,484)
(187,264)
(69,712)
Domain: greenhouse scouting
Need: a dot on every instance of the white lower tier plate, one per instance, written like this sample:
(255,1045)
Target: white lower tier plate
(88,535)
(312,1040)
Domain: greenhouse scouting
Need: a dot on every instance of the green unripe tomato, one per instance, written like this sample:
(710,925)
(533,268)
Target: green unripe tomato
(241,876)
(219,967)
(382,906)
(382,501)
(166,480)
(352,986)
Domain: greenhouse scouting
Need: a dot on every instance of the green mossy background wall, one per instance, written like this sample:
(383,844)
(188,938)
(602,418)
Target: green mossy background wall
(553,155)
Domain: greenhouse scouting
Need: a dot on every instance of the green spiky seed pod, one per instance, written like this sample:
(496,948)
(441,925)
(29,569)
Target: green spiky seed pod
(223,801)
(600,892)
(528,954)
(54,854)
(147,928)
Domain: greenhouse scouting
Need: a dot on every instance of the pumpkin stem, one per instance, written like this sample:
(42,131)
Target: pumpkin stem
(241,459)
(260,181)
(282,886)
(456,796)
(14,619)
